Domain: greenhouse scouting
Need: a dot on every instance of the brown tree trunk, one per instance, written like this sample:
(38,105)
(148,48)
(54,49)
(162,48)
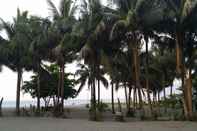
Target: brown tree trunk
(137,77)
(62,88)
(171,90)
(112,99)
(179,43)
(134,99)
(164,93)
(18,92)
(129,97)
(58,88)
(126,97)
(147,75)
(94,99)
(1,101)
(189,94)
(140,98)
(38,93)
(99,91)
(158,96)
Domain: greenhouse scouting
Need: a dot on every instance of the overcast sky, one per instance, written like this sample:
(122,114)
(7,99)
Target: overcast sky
(8,78)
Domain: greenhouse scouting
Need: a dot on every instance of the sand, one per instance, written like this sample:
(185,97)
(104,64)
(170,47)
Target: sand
(78,121)
(52,124)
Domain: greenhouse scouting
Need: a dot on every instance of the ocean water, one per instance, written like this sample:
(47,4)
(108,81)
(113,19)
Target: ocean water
(69,102)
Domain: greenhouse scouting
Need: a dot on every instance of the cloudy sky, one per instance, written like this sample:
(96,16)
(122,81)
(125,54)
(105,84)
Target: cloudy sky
(8,78)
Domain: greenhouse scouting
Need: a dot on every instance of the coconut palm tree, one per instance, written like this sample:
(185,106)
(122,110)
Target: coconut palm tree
(181,15)
(90,29)
(133,17)
(64,20)
(38,29)
(17,49)
(87,76)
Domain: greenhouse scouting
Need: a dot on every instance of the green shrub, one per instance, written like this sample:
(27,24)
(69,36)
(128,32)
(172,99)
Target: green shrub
(102,107)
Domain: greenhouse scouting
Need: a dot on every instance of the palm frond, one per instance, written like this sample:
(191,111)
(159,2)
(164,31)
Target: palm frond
(118,24)
(104,81)
(8,27)
(53,9)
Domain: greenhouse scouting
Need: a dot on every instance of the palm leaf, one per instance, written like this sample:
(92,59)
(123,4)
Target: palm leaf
(53,9)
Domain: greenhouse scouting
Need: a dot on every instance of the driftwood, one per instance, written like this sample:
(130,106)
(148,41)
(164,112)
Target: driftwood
(1,101)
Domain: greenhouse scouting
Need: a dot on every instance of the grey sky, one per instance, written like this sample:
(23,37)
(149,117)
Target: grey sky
(8,10)
(8,78)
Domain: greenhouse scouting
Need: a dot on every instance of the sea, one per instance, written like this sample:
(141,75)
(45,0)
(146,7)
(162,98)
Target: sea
(27,103)
(69,103)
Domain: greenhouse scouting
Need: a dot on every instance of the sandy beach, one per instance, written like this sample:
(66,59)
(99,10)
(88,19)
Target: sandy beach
(52,124)
(78,121)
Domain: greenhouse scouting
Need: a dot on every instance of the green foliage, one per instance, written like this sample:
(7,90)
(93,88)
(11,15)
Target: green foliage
(48,84)
(102,107)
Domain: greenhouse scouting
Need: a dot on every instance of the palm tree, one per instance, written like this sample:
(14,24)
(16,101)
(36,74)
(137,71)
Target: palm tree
(89,30)
(133,15)
(181,16)
(64,20)
(87,76)
(16,49)
(38,29)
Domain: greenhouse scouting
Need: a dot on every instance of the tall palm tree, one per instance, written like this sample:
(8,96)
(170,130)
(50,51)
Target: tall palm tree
(63,19)
(90,29)
(87,76)
(181,14)
(17,45)
(132,18)
(38,29)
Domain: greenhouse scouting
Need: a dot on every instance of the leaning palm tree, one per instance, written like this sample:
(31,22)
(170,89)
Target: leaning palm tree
(16,49)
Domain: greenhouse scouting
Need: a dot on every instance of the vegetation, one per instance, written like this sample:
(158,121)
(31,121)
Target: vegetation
(142,45)
(48,82)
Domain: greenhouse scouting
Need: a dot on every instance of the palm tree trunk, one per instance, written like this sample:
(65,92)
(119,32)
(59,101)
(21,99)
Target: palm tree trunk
(140,98)
(134,99)
(62,88)
(179,43)
(147,76)
(126,97)
(59,87)
(112,97)
(129,97)
(171,91)
(1,101)
(189,94)
(137,72)
(18,92)
(99,91)
(164,93)
(181,69)
(94,99)
(149,99)
(158,96)
(38,93)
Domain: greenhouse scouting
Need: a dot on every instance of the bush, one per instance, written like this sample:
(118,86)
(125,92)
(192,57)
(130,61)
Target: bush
(130,112)
(97,115)
(102,107)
